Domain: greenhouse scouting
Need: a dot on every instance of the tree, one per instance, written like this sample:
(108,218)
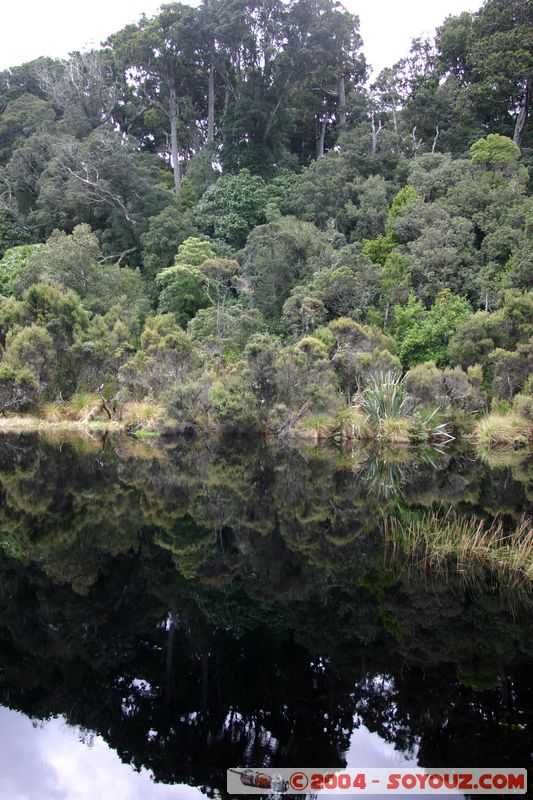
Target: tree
(13,267)
(225,331)
(158,57)
(479,335)
(424,335)
(31,348)
(498,152)
(360,352)
(160,243)
(279,255)
(76,262)
(194,251)
(182,292)
(501,62)
(232,206)
(21,118)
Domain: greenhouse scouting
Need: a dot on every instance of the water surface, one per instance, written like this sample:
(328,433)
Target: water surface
(169,611)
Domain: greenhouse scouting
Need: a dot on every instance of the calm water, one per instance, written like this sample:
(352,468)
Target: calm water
(167,612)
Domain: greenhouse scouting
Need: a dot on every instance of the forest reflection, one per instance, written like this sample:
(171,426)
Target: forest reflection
(202,606)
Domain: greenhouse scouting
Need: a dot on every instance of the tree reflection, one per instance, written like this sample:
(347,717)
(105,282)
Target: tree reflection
(203,607)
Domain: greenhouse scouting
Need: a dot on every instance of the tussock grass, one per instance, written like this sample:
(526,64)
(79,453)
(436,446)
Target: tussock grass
(438,541)
(503,430)
(142,416)
(140,410)
(82,407)
(15,424)
(395,430)
(317,428)
(354,424)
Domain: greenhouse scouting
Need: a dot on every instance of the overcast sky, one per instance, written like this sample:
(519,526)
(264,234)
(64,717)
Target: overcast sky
(31,28)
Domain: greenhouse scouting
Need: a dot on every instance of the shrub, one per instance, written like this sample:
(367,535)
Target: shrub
(523,402)
(427,386)
(234,404)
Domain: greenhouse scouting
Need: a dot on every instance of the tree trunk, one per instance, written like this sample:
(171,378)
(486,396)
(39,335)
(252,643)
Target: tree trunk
(173,110)
(521,120)
(211,100)
(342,102)
(320,136)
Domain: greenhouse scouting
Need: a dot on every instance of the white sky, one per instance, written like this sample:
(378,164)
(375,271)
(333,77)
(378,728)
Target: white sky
(31,28)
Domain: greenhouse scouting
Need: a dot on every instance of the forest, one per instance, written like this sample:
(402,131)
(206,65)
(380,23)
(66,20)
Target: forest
(219,220)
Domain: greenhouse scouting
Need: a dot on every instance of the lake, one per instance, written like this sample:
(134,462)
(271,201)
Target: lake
(168,611)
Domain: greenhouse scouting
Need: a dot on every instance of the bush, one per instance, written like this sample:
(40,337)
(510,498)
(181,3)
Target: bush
(383,398)
(19,389)
(523,402)
(427,386)
(234,405)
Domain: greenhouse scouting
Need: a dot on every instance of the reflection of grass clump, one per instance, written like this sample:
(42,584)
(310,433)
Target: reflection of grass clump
(435,540)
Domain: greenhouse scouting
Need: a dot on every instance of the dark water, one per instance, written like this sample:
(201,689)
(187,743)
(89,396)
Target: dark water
(184,609)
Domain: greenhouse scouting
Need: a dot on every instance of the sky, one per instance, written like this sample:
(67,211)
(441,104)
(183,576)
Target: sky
(31,28)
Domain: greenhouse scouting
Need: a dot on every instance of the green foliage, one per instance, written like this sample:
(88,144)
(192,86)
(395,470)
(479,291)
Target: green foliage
(75,262)
(224,331)
(382,397)
(477,337)
(13,265)
(231,207)
(405,197)
(379,249)
(160,243)
(19,388)
(30,348)
(360,352)
(279,255)
(497,152)
(11,235)
(424,335)
(166,354)
(448,390)
(182,292)
(194,252)
(255,183)
(234,404)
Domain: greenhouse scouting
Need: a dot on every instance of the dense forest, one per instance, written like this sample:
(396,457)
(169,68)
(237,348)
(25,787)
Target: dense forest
(219,219)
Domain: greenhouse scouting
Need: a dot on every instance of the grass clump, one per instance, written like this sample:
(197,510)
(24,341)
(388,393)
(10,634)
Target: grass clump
(354,424)
(503,430)
(317,428)
(395,430)
(142,416)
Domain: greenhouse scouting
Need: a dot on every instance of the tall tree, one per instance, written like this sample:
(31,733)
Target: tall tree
(159,60)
